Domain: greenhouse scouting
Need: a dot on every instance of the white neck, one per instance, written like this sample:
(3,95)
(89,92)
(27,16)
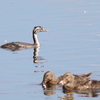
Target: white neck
(35,39)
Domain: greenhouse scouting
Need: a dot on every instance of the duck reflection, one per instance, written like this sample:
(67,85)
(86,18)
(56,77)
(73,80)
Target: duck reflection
(49,89)
(88,93)
(84,93)
(69,95)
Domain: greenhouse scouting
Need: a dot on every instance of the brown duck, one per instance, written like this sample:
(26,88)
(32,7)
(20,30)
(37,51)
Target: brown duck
(75,84)
(77,78)
(50,78)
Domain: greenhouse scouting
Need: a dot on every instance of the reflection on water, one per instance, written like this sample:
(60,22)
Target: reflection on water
(69,96)
(36,58)
(85,93)
(50,89)
(88,93)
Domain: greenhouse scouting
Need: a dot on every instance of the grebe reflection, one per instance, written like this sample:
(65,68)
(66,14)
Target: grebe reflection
(37,59)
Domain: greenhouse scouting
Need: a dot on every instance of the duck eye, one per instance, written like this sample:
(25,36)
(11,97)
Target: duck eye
(47,75)
(68,82)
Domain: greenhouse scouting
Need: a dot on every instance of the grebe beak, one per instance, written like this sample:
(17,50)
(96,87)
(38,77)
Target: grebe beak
(45,30)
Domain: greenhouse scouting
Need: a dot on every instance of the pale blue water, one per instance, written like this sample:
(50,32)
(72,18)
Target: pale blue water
(72,45)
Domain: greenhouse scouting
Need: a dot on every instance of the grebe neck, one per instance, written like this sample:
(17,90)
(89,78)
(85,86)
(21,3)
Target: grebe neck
(35,39)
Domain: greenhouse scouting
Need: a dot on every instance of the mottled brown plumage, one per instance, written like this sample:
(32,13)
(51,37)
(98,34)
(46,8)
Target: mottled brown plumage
(73,84)
(50,78)
(77,78)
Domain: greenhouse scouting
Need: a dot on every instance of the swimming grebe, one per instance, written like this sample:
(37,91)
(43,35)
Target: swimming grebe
(21,45)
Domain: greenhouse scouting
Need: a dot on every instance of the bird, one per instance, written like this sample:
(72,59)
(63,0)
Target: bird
(21,45)
(77,78)
(72,84)
(50,78)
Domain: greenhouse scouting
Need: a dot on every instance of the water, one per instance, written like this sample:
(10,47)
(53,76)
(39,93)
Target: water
(72,45)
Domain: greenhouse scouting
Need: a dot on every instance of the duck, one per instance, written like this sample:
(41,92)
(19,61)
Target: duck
(21,45)
(50,78)
(77,78)
(72,84)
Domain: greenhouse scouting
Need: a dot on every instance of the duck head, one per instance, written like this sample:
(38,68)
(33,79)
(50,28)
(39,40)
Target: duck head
(68,78)
(49,78)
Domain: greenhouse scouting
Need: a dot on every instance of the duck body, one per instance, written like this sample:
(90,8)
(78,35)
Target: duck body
(89,85)
(72,84)
(21,45)
(78,79)
(50,78)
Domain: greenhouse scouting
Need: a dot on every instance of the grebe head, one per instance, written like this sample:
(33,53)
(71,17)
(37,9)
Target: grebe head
(39,29)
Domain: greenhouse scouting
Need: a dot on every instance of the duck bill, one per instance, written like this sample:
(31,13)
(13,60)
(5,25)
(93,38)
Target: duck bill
(43,85)
(44,82)
(62,82)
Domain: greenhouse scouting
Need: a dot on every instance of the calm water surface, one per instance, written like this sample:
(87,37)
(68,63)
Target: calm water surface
(72,45)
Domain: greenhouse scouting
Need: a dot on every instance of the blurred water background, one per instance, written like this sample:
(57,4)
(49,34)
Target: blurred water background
(72,45)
